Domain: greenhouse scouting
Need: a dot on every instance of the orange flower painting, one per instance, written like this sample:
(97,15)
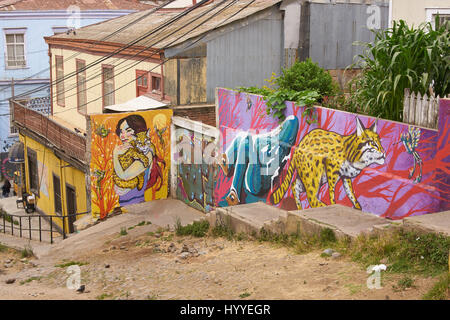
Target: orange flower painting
(130,159)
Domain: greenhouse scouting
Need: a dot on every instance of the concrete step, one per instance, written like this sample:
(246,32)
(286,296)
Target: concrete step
(344,221)
(438,222)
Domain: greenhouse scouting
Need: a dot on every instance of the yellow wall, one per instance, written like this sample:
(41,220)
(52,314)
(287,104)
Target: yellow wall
(414,12)
(124,72)
(53,165)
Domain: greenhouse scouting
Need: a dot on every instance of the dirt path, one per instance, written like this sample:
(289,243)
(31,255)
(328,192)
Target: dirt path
(144,265)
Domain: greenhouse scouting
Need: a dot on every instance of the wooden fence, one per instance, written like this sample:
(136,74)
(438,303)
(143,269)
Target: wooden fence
(421,110)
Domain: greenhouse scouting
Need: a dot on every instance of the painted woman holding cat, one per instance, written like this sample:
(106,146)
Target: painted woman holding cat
(136,165)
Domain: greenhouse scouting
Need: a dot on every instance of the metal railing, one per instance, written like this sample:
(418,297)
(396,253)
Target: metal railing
(16,226)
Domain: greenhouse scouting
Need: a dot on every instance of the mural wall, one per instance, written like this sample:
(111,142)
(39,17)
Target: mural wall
(195,174)
(130,158)
(383,167)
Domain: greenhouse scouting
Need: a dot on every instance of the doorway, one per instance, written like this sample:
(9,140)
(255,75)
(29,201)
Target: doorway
(71,206)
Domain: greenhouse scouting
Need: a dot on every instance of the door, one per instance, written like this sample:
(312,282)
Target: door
(71,206)
(141,82)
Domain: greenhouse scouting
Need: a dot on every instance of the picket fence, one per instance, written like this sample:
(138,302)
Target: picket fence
(421,110)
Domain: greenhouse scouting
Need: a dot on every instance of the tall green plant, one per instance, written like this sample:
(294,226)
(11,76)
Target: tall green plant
(402,57)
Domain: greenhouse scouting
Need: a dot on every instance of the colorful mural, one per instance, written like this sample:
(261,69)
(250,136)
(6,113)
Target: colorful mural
(195,181)
(383,167)
(130,156)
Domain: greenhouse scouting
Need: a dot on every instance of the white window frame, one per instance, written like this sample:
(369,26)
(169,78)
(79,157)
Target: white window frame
(430,12)
(8,31)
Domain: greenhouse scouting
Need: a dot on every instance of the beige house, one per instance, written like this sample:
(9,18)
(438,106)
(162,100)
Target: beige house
(415,12)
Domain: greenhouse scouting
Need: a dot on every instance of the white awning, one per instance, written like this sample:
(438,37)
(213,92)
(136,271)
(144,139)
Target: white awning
(137,104)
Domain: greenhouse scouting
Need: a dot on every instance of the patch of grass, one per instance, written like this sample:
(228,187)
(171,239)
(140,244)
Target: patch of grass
(103,296)
(71,263)
(30,279)
(404,283)
(354,288)
(244,295)
(123,232)
(404,251)
(223,230)
(440,290)
(150,233)
(131,228)
(196,229)
(3,248)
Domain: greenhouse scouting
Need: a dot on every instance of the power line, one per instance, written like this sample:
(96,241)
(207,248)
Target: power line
(117,51)
(103,39)
(133,80)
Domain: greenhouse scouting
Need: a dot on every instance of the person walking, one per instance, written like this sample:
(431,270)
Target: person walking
(6,188)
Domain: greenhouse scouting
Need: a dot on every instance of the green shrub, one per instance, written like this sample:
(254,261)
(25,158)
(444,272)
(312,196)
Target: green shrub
(306,75)
(440,290)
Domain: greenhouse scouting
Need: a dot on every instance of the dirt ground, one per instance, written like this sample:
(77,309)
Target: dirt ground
(148,265)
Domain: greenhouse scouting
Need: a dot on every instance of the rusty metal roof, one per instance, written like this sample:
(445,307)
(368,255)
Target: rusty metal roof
(193,24)
(13,5)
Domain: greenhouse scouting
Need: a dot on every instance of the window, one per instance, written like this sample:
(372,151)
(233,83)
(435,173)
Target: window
(443,19)
(156,83)
(141,82)
(33,171)
(15,48)
(108,85)
(59,61)
(57,194)
(81,86)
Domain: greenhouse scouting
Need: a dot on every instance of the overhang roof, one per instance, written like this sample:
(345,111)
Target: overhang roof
(193,24)
(137,104)
(13,5)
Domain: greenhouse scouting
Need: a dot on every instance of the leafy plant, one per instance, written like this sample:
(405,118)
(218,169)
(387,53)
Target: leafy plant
(196,229)
(402,57)
(440,290)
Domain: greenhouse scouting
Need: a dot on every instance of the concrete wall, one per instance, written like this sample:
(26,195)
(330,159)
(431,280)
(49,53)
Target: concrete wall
(376,172)
(124,73)
(418,11)
(141,180)
(194,175)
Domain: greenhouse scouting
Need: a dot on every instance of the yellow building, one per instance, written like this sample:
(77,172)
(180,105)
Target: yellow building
(55,167)
(415,12)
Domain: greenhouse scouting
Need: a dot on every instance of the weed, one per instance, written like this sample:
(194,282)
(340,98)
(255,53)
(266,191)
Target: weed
(26,252)
(404,283)
(8,218)
(123,232)
(223,230)
(3,248)
(327,236)
(131,228)
(71,263)
(140,224)
(30,279)
(244,295)
(103,296)
(440,290)
(196,229)
(150,233)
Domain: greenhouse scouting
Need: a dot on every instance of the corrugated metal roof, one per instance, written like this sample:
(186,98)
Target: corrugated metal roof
(12,5)
(189,26)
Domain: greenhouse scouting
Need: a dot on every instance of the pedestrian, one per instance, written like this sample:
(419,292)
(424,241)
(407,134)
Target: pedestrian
(6,188)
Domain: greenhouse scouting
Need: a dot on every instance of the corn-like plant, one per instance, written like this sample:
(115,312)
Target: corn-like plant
(402,57)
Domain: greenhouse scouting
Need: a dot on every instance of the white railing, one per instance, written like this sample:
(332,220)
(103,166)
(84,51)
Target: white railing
(421,110)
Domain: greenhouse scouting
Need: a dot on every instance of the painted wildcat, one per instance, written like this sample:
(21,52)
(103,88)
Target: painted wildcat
(140,147)
(324,156)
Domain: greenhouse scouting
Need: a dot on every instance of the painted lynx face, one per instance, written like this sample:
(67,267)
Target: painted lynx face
(369,150)
(143,142)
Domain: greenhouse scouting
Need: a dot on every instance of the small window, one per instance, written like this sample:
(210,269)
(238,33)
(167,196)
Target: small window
(33,171)
(81,86)
(156,83)
(59,61)
(15,50)
(57,194)
(108,85)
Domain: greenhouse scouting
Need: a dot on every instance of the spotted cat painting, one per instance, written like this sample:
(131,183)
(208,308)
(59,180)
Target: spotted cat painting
(130,159)
(387,168)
